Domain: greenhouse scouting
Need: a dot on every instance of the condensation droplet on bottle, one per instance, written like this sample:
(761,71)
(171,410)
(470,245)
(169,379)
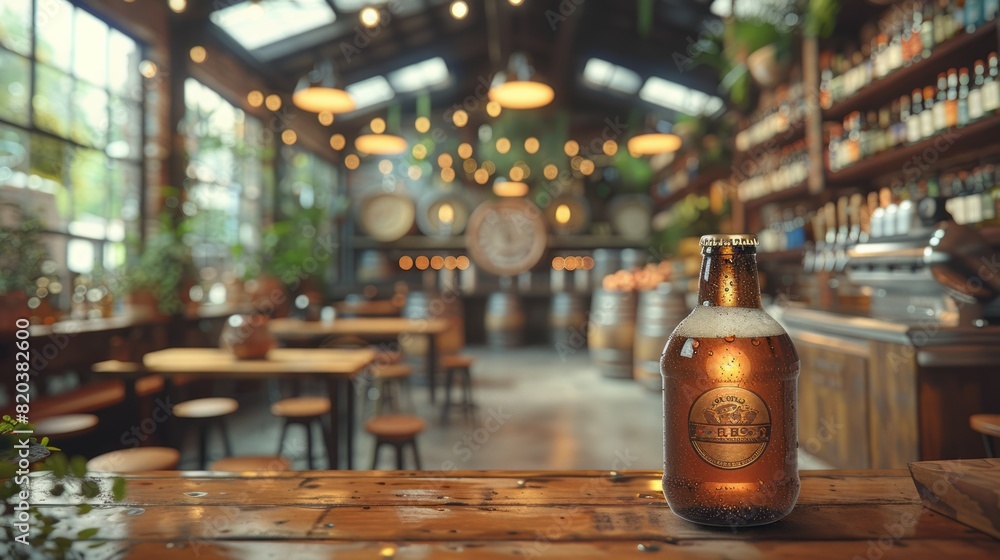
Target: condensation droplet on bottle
(695,344)
(710,353)
(755,342)
(730,338)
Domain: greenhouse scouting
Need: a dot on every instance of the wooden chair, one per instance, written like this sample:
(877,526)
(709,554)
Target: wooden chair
(461,367)
(397,431)
(203,414)
(391,382)
(989,426)
(256,464)
(304,411)
(137,459)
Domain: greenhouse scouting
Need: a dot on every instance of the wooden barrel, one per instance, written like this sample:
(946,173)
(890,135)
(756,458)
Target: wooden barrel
(658,313)
(568,321)
(373,266)
(504,320)
(421,305)
(606,261)
(610,332)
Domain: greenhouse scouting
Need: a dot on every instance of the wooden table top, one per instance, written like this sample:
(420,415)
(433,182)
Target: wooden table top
(356,326)
(280,361)
(503,514)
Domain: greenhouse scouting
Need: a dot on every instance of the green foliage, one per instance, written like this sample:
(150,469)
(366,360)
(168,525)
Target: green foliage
(163,266)
(286,246)
(22,254)
(65,475)
(691,217)
(821,18)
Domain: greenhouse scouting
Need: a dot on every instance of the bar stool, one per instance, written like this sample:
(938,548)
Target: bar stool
(461,366)
(204,414)
(136,459)
(255,463)
(989,426)
(303,411)
(397,431)
(66,426)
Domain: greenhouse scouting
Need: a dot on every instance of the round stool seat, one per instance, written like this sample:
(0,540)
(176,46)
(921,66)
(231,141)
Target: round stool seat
(457,361)
(257,463)
(137,459)
(988,424)
(395,371)
(301,407)
(395,426)
(66,425)
(386,358)
(213,407)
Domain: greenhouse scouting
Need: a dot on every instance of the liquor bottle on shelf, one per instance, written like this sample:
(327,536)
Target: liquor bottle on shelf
(963,97)
(958,16)
(973,15)
(951,108)
(913,123)
(976,92)
(927,30)
(927,116)
(940,120)
(991,86)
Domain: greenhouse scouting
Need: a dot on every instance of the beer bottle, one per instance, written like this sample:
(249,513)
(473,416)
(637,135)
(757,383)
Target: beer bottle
(730,382)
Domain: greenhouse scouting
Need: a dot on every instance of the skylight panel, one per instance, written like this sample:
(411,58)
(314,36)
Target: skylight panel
(258,24)
(679,98)
(422,75)
(602,74)
(370,92)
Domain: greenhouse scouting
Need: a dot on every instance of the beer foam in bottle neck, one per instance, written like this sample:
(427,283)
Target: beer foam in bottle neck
(710,321)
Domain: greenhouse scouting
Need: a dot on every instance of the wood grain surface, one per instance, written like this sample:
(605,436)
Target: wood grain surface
(502,514)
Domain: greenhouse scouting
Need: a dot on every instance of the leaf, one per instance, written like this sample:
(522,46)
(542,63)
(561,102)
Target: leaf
(89,488)
(44,442)
(118,489)
(84,509)
(78,466)
(58,490)
(58,465)
(62,542)
(88,533)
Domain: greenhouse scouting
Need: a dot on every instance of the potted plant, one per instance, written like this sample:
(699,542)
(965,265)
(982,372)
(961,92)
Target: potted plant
(22,255)
(158,282)
(65,476)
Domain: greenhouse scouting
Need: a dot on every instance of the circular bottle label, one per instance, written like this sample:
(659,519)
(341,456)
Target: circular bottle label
(729,427)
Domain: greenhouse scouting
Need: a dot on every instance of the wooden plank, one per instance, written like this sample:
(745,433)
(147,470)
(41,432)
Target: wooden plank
(893,421)
(480,550)
(967,491)
(390,490)
(450,523)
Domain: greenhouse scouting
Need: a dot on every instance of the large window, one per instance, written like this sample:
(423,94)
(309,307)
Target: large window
(71,110)
(230,172)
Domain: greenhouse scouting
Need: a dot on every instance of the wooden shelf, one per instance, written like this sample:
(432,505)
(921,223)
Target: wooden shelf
(795,131)
(960,50)
(946,147)
(556,242)
(699,184)
(787,194)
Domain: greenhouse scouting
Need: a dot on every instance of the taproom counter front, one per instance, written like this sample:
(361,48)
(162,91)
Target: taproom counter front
(876,395)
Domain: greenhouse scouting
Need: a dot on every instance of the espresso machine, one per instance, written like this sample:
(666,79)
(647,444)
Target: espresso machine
(924,267)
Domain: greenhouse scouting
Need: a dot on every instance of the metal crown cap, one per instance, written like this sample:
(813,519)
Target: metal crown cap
(724,239)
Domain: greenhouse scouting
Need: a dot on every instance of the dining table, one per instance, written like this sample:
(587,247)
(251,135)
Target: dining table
(868,515)
(336,368)
(319,333)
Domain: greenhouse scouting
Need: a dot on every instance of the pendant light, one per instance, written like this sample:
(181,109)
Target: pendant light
(509,189)
(653,142)
(520,87)
(378,142)
(318,91)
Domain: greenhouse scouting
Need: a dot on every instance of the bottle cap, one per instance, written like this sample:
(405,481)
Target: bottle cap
(726,239)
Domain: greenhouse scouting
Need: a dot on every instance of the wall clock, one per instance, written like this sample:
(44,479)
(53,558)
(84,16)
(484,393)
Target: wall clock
(506,237)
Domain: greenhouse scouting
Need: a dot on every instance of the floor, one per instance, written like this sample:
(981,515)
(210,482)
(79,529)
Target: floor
(537,410)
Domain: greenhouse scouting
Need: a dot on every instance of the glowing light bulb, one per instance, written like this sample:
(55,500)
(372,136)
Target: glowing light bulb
(563,214)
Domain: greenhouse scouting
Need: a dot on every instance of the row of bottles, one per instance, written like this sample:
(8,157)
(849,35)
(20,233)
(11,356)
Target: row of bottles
(778,111)
(907,33)
(774,171)
(958,98)
(783,230)
(971,192)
